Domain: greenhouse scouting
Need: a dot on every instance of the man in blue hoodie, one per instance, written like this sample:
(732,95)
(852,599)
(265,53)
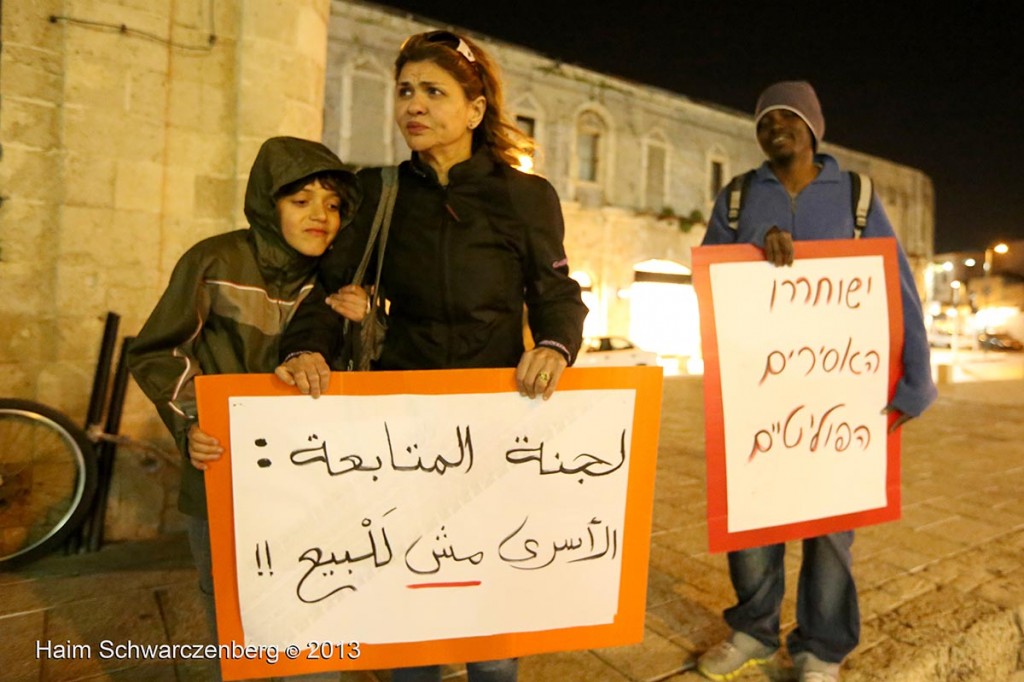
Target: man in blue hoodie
(799,194)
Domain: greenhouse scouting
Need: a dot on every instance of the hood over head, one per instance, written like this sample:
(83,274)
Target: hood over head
(280,162)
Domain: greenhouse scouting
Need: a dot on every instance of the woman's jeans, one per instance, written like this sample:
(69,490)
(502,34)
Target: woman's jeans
(828,619)
(503,670)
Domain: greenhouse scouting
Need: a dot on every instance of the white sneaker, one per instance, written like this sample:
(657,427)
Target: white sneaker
(810,668)
(728,659)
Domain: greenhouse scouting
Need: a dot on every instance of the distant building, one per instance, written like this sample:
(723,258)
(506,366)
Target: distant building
(983,290)
(637,168)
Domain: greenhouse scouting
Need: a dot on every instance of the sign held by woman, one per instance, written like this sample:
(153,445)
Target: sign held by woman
(360,516)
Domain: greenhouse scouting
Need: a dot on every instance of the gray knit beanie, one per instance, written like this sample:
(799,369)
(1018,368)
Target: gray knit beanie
(798,97)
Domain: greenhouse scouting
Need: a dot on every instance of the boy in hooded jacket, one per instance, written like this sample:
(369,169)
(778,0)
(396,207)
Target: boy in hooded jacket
(231,296)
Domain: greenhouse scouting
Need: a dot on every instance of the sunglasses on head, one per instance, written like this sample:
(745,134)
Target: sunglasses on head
(450,40)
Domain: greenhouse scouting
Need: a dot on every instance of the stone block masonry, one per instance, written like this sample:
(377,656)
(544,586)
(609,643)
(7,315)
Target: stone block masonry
(122,147)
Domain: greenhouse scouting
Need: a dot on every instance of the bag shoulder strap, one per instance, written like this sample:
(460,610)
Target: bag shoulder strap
(381,221)
(861,189)
(390,176)
(737,189)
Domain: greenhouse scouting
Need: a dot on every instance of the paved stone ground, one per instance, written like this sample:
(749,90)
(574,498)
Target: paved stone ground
(942,590)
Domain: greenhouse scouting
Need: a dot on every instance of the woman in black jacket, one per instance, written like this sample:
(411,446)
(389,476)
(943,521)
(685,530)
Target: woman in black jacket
(472,240)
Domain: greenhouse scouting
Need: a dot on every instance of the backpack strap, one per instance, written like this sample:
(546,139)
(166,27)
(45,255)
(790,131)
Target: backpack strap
(861,189)
(737,193)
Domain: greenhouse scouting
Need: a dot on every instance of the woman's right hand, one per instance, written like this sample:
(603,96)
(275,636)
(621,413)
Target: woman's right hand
(351,302)
(538,372)
(308,372)
(202,448)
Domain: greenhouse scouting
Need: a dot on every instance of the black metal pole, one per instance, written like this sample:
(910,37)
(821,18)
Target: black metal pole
(97,400)
(108,449)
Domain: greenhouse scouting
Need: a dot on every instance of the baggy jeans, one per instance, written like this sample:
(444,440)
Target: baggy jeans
(828,618)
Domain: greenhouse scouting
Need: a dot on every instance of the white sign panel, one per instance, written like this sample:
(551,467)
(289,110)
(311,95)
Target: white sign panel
(413,517)
(804,360)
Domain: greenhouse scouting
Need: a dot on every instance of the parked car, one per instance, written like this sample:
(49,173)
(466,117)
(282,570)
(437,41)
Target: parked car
(999,341)
(940,339)
(613,351)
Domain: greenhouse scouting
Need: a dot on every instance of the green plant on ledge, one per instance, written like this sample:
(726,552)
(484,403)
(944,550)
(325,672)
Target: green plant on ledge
(686,222)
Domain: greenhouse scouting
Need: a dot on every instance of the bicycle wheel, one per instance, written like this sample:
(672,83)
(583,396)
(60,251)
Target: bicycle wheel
(47,479)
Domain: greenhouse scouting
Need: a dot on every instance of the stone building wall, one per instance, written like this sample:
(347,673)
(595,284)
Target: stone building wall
(120,149)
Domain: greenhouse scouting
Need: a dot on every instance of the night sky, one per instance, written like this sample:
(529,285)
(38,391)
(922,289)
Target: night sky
(939,90)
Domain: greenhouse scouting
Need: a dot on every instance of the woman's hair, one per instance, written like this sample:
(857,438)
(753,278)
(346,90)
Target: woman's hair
(478,75)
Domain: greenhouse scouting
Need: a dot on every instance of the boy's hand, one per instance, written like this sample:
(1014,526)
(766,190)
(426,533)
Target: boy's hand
(778,247)
(202,448)
(351,302)
(538,372)
(308,372)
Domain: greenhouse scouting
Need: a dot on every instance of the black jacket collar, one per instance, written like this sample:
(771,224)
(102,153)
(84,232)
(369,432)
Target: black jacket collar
(478,165)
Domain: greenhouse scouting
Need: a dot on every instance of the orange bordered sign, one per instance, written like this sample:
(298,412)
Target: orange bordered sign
(799,363)
(410,518)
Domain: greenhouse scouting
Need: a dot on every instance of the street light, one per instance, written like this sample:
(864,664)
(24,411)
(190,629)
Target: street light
(1000,248)
(955,343)
(991,300)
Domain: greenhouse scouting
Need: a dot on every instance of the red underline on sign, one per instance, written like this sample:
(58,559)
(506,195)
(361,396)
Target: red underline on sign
(468,583)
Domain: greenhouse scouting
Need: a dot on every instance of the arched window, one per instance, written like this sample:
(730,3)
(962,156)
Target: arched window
(661,285)
(655,172)
(592,166)
(529,117)
(717,173)
(366,115)
(591,131)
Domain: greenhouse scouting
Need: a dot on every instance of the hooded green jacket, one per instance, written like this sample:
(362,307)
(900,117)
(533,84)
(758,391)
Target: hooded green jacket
(228,301)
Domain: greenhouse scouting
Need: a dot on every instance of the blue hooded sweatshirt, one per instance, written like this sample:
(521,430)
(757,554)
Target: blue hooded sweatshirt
(822,210)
